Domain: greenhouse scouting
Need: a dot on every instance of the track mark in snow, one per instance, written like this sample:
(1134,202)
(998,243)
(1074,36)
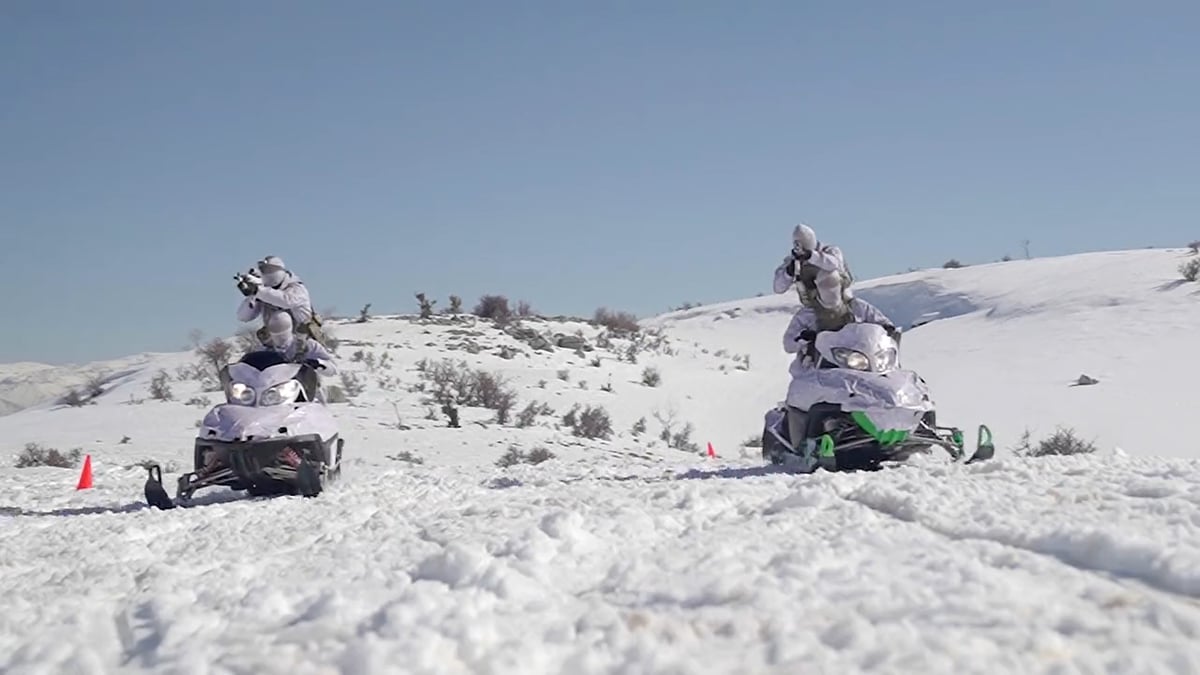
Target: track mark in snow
(1104,546)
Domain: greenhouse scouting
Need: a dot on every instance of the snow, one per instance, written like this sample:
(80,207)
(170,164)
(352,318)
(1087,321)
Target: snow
(624,555)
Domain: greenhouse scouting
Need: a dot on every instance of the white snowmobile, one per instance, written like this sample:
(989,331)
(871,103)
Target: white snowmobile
(863,409)
(273,435)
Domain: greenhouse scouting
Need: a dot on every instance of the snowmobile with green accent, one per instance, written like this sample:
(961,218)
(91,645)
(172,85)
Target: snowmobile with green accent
(856,408)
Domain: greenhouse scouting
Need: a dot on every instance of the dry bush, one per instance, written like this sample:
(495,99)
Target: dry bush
(351,385)
(455,382)
(589,422)
(515,455)
(216,354)
(1063,441)
(36,455)
(493,307)
(651,377)
(159,389)
(74,398)
(639,427)
(529,414)
(246,341)
(426,305)
(617,322)
(678,439)
(1190,270)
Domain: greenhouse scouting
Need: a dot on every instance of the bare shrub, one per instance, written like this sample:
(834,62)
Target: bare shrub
(426,305)
(36,455)
(952,264)
(524,309)
(216,354)
(564,375)
(639,427)
(512,457)
(335,394)
(94,387)
(529,414)
(74,398)
(364,314)
(407,457)
(571,417)
(351,385)
(515,455)
(631,352)
(454,382)
(503,405)
(455,304)
(1061,442)
(680,439)
(617,322)
(246,341)
(590,422)
(199,402)
(493,307)
(1190,270)
(159,389)
(1194,247)
(651,377)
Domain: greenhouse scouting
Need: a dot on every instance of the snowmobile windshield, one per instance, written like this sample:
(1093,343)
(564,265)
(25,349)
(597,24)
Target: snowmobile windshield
(261,360)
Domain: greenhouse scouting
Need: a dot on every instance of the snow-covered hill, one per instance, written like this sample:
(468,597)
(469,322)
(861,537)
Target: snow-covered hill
(624,554)
(1006,341)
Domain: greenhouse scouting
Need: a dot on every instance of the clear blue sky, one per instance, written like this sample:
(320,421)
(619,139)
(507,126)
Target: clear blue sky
(574,154)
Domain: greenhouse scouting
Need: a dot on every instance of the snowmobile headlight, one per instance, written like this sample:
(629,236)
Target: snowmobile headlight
(852,359)
(886,359)
(281,394)
(241,394)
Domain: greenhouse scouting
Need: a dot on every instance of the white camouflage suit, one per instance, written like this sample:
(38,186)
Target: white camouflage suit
(297,348)
(824,262)
(281,291)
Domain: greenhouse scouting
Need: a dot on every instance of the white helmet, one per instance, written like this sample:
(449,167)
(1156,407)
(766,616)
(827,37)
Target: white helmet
(803,238)
(279,329)
(273,270)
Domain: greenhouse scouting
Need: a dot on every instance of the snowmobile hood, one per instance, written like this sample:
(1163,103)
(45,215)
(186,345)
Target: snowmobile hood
(898,394)
(241,423)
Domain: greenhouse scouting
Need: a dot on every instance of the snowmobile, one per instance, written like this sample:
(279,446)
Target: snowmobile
(864,410)
(273,435)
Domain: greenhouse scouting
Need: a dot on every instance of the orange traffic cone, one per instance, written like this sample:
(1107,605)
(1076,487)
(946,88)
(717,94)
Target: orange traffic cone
(711,452)
(85,477)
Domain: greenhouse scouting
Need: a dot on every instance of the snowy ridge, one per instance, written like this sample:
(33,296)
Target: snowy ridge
(29,385)
(625,555)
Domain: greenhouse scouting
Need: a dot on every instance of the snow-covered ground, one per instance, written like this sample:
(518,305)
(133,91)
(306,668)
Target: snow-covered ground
(624,555)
